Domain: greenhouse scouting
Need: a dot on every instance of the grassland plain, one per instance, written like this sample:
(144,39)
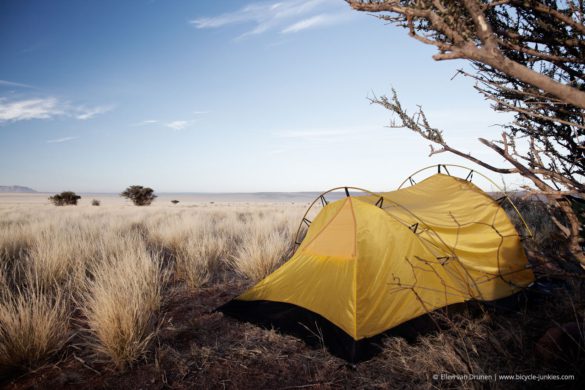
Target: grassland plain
(118,296)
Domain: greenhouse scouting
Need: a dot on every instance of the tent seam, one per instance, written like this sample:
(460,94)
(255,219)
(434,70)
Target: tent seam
(355,269)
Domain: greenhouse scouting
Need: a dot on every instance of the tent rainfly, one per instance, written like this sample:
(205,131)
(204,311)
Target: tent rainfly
(369,263)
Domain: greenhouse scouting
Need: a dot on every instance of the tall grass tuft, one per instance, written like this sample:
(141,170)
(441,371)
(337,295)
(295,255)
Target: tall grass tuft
(121,304)
(15,240)
(200,258)
(261,252)
(34,324)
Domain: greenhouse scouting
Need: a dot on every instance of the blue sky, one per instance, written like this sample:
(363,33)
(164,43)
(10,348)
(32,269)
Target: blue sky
(218,96)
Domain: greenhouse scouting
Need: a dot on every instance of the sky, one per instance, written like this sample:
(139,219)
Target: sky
(220,96)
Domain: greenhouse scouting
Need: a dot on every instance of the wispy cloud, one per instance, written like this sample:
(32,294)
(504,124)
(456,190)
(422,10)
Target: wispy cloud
(85,113)
(287,16)
(322,139)
(12,111)
(314,22)
(45,108)
(324,133)
(145,123)
(61,140)
(175,125)
(178,125)
(6,83)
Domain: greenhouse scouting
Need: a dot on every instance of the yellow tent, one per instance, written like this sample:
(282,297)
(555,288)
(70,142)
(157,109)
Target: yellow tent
(371,262)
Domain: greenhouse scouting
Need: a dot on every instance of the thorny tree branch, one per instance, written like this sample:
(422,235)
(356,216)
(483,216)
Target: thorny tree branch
(464,32)
(528,58)
(420,125)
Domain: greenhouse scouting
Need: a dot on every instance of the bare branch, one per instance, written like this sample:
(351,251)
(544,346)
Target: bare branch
(529,59)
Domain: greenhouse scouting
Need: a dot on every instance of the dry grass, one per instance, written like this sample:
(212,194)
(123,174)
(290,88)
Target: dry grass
(200,258)
(14,242)
(264,248)
(133,289)
(121,303)
(34,324)
(110,266)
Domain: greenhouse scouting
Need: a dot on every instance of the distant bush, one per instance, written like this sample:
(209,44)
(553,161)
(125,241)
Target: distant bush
(95,202)
(174,201)
(139,195)
(65,198)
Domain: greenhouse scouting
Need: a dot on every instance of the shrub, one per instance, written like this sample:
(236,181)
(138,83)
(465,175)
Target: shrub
(95,202)
(139,195)
(174,201)
(65,198)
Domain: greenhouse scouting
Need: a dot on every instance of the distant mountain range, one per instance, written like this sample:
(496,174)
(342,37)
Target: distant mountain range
(16,189)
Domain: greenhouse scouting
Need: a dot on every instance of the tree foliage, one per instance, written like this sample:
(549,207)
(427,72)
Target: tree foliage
(139,195)
(65,198)
(528,58)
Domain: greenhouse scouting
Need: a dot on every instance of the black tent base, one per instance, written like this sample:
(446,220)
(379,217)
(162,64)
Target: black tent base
(317,331)
(314,329)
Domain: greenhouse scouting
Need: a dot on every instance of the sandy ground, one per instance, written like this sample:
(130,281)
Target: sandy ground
(164,200)
(185,199)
